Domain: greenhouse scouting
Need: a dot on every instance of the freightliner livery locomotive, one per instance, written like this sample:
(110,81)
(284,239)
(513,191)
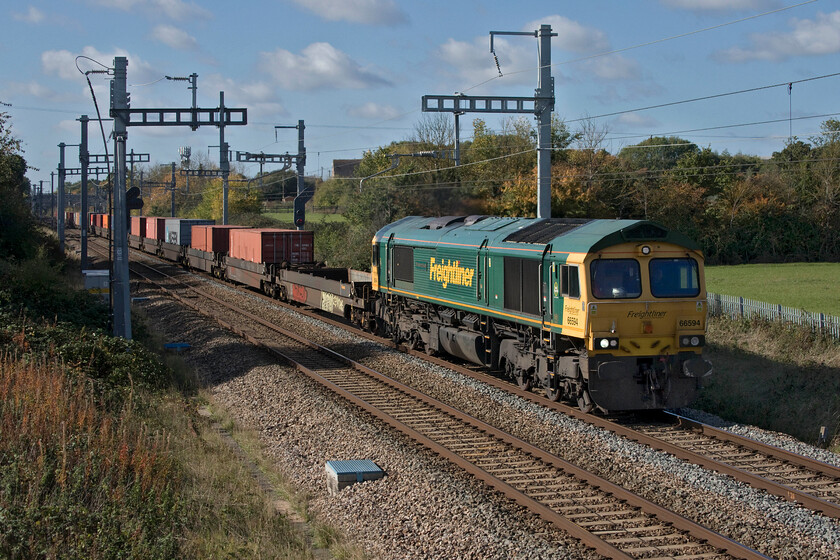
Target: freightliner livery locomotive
(610,314)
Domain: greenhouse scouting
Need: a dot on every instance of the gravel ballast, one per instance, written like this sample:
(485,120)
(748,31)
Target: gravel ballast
(426,508)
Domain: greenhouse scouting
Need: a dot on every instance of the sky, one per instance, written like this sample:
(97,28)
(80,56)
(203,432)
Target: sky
(715,72)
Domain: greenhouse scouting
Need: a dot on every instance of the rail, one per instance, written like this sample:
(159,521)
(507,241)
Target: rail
(734,307)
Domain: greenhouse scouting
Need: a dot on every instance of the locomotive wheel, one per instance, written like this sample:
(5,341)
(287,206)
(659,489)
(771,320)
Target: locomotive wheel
(523,379)
(553,393)
(584,401)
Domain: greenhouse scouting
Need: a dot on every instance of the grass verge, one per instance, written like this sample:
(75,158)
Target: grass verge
(103,453)
(774,376)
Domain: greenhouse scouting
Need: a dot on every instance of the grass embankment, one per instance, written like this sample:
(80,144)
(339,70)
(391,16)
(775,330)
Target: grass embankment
(776,376)
(103,453)
(773,376)
(809,286)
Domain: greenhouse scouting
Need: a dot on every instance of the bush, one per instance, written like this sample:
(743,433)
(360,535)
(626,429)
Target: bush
(76,481)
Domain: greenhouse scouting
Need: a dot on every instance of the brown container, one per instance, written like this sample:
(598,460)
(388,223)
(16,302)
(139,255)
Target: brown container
(212,239)
(138,226)
(155,228)
(272,246)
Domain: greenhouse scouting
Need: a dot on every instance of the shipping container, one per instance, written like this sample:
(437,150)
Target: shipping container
(272,246)
(155,228)
(179,230)
(138,226)
(212,239)
(106,221)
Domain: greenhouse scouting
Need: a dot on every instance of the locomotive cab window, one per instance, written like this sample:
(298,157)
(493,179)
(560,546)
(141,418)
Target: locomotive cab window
(404,263)
(616,278)
(672,278)
(569,281)
(522,285)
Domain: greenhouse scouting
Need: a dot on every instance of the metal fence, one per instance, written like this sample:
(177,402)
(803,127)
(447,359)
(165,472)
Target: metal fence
(735,306)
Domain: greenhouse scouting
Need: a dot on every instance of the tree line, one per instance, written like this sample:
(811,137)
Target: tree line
(740,208)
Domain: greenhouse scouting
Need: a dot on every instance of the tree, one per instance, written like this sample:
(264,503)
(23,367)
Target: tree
(17,225)
(657,153)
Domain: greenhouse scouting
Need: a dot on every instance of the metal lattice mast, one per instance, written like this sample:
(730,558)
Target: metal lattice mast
(541,106)
(60,213)
(83,162)
(119,291)
(543,109)
(224,163)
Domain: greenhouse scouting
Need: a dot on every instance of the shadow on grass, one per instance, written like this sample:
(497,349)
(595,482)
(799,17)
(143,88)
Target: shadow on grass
(772,394)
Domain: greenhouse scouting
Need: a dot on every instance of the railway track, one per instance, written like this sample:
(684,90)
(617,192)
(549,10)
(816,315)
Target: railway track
(606,517)
(811,483)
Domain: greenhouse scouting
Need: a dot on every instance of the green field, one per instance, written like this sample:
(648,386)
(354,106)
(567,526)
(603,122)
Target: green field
(814,287)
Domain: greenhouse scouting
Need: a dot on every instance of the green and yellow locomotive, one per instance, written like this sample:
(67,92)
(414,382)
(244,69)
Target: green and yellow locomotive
(608,313)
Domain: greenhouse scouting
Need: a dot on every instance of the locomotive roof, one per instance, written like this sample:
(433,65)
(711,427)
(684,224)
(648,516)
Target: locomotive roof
(564,234)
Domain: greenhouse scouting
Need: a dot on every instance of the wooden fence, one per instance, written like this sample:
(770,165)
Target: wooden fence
(735,306)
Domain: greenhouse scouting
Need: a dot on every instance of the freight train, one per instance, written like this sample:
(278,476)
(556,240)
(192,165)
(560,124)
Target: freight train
(610,314)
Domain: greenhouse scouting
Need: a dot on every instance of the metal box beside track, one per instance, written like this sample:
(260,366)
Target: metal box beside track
(272,246)
(341,474)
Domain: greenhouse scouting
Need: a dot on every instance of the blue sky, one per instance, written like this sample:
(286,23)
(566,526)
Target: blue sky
(355,70)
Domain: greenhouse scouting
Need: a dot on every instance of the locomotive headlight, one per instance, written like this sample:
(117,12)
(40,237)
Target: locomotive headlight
(692,341)
(645,250)
(606,343)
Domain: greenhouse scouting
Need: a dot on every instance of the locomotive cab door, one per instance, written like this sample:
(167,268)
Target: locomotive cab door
(389,262)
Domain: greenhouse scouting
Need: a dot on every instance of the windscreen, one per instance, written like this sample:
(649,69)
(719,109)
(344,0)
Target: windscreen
(670,278)
(616,278)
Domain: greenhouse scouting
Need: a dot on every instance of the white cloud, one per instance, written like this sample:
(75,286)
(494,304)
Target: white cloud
(720,5)
(572,36)
(63,64)
(320,65)
(174,37)
(259,97)
(636,120)
(371,12)
(815,37)
(173,9)
(472,63)
(375,111)
(31,89)
(32,15)
(613,67)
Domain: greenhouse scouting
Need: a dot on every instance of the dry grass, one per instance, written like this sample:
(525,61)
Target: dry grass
(779,378)
(78,481)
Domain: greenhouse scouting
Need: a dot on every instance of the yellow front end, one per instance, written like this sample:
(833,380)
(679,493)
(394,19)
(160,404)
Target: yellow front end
(645,325)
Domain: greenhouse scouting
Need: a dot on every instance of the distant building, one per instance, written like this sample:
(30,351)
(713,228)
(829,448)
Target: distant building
(345,168)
